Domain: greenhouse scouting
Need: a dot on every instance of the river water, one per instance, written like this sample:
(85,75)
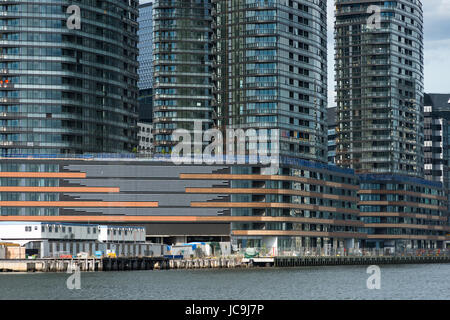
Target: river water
(330,282)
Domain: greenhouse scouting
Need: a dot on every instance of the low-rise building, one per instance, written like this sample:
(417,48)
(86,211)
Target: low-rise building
(50,239)
(26,231)
(145,138)
(401,212)
(305,205)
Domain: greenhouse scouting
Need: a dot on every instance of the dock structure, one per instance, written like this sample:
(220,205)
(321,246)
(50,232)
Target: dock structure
(163,263)
(114,264)
(352,260)
(83,264)
(302,261)
(129,264)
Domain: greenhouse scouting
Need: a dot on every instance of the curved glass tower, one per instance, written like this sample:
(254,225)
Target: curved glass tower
(271,71)
(379,73)
(145,46)
(68,90)
(182,68)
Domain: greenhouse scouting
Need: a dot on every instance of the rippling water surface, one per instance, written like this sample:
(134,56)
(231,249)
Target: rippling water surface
(340,282)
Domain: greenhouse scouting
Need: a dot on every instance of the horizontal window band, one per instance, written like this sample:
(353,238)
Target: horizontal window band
(80,204)
(406,226)
(294,233)
(181,219)
(197,204)
(80,175)
(61,189)
(402,214)
(271,191)
(403,204)
(406,237)
(196,176)
(402,192)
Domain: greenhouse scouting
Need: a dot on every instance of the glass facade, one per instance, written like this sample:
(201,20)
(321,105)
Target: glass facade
(437,138)
(182,68)
(331,119)
(145,46)
(402,212)
(68,90)
(308,205)
(379,74)
(145,101)
(145,59)
(270,71)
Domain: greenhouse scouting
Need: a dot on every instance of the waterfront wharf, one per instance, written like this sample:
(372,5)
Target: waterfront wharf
(163,263)
(351,260)
(83,264)
(113,264)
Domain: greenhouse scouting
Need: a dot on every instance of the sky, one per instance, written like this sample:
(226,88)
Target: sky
(436,47)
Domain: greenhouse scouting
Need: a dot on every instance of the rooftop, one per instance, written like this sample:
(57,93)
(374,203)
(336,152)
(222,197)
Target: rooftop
(439,101)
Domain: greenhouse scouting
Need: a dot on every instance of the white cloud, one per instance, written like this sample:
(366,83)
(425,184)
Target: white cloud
(437,45)
(436,8)
(437,66)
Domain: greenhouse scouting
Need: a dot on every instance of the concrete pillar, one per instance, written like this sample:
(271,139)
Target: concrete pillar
(44,249)
(335,243)
(325,250)
(100,265)
(53,249)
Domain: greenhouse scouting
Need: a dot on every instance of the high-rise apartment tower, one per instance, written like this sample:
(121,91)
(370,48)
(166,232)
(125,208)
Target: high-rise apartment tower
(145,59)
(68,87)
(182,68)
(270,71)
(379,74)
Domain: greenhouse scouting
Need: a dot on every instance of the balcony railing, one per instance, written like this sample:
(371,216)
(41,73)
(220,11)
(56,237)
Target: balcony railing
(343,252)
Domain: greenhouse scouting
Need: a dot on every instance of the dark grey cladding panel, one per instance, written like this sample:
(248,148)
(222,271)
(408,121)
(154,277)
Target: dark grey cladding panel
(188,229)
(146,211)
(163,199)
(137,186)
(140,171)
